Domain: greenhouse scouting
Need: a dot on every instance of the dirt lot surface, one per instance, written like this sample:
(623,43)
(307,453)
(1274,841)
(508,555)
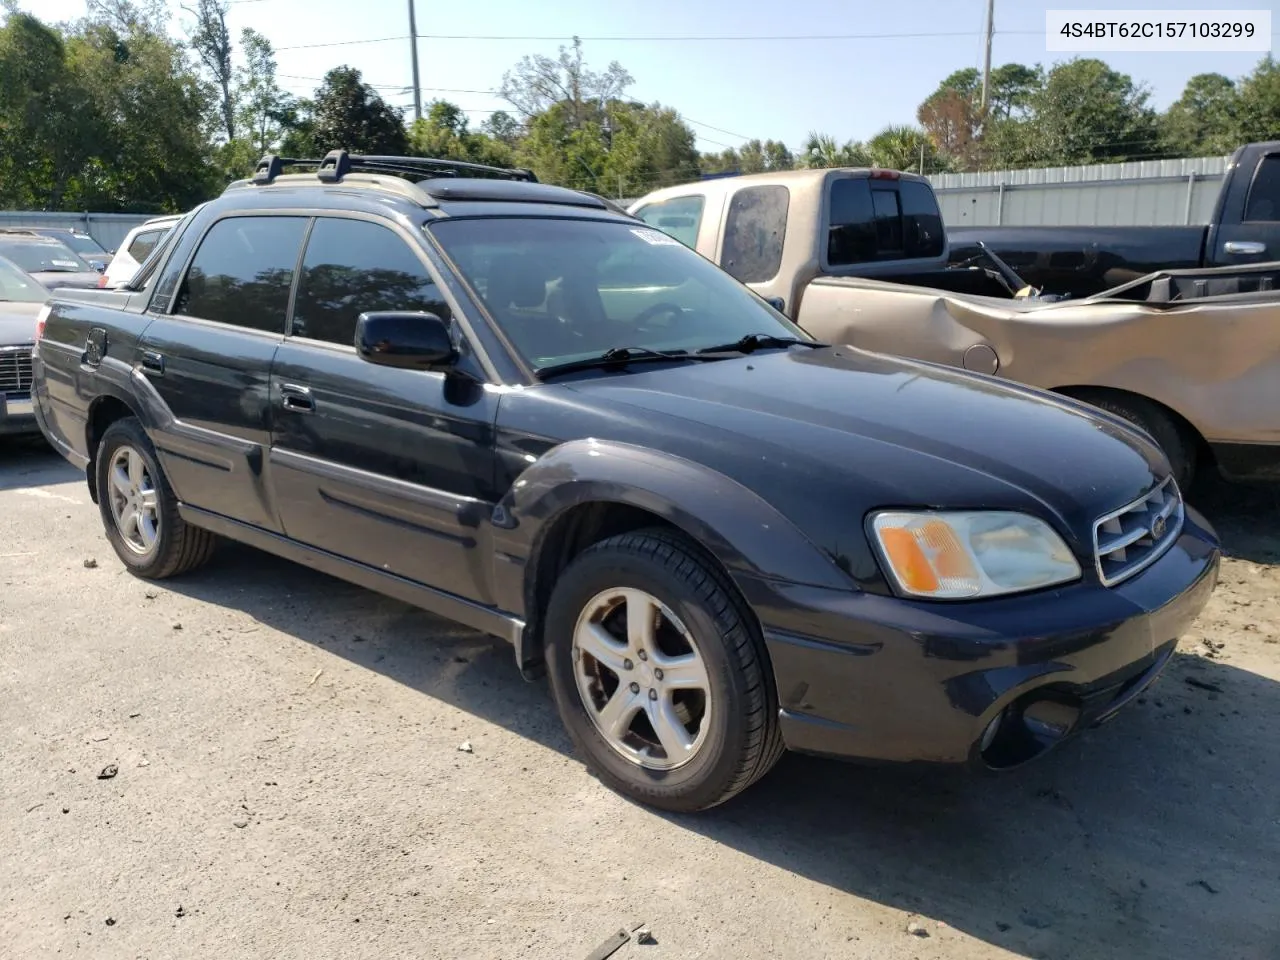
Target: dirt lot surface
(289,784)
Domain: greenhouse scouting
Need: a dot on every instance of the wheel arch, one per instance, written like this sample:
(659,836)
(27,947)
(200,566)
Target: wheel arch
(586,491)
(103,411)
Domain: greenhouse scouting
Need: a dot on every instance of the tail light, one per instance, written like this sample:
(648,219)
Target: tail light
(102,280)
(885,175)
(41,317)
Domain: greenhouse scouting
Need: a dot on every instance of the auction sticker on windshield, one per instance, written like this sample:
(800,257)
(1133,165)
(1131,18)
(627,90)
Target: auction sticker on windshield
(656,237)
(63,263)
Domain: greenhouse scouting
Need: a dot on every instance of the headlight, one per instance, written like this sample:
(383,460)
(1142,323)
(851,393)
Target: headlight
(962,555)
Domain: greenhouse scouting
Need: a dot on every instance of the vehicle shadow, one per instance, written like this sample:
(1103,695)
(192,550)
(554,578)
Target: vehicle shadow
(1155,836)
(31,462)
(1247,517)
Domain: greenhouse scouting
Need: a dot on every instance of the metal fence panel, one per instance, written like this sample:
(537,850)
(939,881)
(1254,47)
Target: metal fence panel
(109,229)
(1145,193)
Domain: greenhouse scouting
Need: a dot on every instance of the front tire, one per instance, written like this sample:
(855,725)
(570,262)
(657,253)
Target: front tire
(139,509)
(1168,435)
(658,673)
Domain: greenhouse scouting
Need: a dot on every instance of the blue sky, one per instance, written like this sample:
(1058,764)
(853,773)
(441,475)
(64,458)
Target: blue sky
(728,90)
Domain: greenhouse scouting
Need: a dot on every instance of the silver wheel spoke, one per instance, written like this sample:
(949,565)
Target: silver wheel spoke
(616,717)
(641,614)
(674,737)
(146,529)
(129,525)
(136,470)
(120,480)
(683,673)
(593,639)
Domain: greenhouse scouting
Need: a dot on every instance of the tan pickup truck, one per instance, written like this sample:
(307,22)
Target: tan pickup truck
(1191,356)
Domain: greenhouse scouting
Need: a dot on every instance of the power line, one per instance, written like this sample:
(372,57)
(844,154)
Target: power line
(659,39)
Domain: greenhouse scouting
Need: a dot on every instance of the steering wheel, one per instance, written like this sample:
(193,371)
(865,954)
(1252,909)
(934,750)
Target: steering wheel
(657,309)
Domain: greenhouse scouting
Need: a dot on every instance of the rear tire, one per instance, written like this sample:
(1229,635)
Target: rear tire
(714,727)
(1167,433)
(139,509)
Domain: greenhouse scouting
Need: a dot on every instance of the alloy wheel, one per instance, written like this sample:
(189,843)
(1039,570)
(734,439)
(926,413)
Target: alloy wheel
(641,678)
(134,501)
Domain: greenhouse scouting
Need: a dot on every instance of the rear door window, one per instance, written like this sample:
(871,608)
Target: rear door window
(242,272)
(678,217)
(882,220)
(1264,192)
(754,232)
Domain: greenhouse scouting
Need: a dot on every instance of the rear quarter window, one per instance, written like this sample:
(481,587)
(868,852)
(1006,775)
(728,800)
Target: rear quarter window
(882,220)
(678,217)
(754,232)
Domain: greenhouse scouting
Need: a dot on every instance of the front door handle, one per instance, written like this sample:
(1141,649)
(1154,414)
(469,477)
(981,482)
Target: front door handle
(153,362)
(296,398)
(1250,247)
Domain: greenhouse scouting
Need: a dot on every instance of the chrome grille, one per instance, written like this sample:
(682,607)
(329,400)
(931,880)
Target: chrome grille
(15,369)
(1137,535)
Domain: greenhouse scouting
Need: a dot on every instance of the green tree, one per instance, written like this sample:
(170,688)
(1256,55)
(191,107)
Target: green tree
(264,109)
(503,127)
(537,83)
(1204,119)
(1087,112)
(151,155)
(822,151)
(445,133)
(1259,104)
(211,40)
(349,114)
(757,157)
(902,148)
(50,128)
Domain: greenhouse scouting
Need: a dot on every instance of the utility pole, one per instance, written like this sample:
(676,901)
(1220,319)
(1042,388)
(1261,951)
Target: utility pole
(986,63)
(417,90)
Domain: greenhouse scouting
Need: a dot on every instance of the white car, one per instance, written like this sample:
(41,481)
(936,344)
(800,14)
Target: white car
(135,249)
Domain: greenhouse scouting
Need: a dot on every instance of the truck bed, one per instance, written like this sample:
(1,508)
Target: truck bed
(1083,261)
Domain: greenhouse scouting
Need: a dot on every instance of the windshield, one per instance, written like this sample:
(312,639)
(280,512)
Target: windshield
(80,243)
(564,290)
(50,256)
(16,285)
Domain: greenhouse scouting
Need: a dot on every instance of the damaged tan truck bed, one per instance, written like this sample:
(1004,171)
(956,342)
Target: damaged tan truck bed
(1192,356)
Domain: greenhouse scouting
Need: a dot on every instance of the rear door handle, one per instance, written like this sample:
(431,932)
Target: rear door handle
(296,398)
(153,362)
(1244,246)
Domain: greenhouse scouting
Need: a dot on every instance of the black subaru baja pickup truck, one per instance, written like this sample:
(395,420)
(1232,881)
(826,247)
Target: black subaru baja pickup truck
(516,406)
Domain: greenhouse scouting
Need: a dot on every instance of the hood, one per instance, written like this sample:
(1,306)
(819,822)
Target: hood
(828,434)
(17,322)
(51,280)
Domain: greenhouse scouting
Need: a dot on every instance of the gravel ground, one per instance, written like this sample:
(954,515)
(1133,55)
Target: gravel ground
(288,783)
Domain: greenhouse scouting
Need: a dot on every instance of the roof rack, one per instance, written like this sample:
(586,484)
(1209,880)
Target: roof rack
(338,163)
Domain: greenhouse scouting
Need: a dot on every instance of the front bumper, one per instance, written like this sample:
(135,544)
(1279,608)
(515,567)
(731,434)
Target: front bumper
(881,678)
(17,415)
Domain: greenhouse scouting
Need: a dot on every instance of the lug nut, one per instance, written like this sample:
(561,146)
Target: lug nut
(653,694)
(657,674)
(635,688)
(627,665)
(643,655)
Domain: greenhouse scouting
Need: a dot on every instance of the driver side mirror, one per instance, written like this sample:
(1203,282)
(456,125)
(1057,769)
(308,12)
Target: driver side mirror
(407,339)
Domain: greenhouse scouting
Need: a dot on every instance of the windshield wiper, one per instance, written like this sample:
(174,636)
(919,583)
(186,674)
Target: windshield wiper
(615,357)
(754,341)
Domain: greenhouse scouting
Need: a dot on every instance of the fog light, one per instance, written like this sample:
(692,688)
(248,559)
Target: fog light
(989,734)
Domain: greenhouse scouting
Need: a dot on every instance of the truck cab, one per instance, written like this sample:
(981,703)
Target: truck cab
(777,232)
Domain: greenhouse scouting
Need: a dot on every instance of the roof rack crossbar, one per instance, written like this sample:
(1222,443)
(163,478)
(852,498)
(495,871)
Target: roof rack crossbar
(337,163)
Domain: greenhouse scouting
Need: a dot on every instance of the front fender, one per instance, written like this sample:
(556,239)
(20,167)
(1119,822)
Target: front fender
(744,532)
